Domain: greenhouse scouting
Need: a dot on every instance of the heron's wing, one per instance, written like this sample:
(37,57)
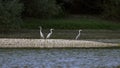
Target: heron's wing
(48,36)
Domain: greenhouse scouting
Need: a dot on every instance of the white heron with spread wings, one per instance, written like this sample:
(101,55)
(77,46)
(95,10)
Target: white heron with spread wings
(41,34)
(78,35)
(49,34)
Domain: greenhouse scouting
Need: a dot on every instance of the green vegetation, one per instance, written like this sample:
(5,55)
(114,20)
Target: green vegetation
(82,23)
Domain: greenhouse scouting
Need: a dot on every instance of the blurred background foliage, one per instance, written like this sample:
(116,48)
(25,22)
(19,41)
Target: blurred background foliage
(10,14)
(14,12)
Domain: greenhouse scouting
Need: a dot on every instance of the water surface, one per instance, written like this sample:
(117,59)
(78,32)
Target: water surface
(59,58)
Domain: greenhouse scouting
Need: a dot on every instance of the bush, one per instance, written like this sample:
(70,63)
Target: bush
(42,8)
(10,14)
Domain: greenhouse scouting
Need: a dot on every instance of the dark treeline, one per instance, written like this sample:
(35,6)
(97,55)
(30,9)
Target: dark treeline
(82,6)
(10,14)
(11,11)
(106,8)
(58,8)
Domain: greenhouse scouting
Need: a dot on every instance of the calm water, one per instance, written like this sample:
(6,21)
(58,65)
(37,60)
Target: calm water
(59,58)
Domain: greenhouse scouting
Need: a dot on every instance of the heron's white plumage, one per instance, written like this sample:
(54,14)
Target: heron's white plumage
(49,34)
(41,34)
(78,35)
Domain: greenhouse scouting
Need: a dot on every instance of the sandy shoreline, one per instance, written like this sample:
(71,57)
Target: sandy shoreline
(50,43)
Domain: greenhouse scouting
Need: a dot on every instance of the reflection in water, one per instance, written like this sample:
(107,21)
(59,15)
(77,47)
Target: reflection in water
(59,58)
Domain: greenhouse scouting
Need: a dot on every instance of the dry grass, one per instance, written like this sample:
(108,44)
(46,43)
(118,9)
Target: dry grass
(50,43)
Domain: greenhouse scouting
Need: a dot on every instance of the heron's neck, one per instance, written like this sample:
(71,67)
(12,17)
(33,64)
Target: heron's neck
(50,31)
(40,29)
